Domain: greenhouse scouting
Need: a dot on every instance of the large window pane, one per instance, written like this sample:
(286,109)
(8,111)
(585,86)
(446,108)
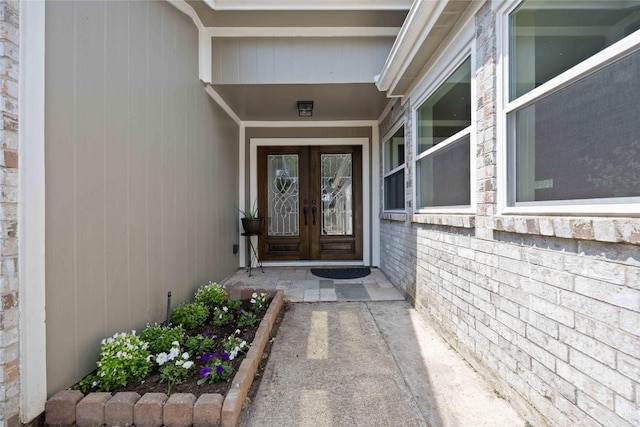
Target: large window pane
(447,111)
(337,192)
(583,141)
(283,197)
(547,39)
(445,176)
(394,151)
(394,191)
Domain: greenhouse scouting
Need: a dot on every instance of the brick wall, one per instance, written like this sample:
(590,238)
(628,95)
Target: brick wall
(9,344)
(546,308)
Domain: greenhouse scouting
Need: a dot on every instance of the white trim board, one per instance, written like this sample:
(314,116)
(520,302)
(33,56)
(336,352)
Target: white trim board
(254,143)
(31,212)
(324,32)
(309,4)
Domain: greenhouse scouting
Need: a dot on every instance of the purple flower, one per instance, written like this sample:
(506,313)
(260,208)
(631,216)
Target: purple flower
(205,333)
(215,355)
(225,356)
(219,369)
(206,356)
(205,371)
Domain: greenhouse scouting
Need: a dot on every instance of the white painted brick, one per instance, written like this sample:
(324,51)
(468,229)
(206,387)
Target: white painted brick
(595,269)
(562,228)
(536,352)
(628,411)
(629,367)
(590,307)
(585,383)
(541,290)
(602,373)
(604,230)
(563,387)
(552,311)
(601,352)
(550,344)
(546,226)
(617,295)
(598,412)
(506,306)
(556,278)
(513,323)
(630,321)
(629,231)
(633,277)
(612,336)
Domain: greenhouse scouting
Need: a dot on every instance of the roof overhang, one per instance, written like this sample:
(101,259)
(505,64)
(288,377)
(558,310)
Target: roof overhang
(426,27)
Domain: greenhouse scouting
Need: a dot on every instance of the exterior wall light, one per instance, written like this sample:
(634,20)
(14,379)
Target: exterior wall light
(305,108)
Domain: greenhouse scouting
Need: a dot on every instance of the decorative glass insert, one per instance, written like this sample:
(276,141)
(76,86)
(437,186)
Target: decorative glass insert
(549,37)
(337,194)
(283,199)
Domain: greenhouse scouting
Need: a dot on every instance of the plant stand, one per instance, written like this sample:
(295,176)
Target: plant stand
(252,253)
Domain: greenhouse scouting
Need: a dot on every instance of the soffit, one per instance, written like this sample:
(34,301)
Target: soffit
(415,47)
(297,18)
(357,101)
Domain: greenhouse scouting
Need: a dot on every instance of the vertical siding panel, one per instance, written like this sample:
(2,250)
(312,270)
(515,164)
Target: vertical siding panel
(116,158)
(137,158)
(283,61)
(230,62)
(59,196)
(154,170)
(90,269)
(248,59)
(265,63)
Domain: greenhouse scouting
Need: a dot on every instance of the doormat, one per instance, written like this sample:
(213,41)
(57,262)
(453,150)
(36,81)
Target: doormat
(341,273)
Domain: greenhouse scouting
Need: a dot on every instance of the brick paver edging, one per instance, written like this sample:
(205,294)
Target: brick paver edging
(72,407)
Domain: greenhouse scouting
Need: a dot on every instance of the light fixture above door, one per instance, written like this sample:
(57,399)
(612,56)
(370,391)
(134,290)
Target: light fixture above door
(305,108)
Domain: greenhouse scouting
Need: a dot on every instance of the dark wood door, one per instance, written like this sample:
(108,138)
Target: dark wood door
(311,199)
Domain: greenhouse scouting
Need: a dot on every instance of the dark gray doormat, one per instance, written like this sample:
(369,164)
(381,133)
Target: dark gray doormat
(341,273)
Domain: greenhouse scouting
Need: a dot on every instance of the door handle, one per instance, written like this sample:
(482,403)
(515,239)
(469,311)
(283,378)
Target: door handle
(305,211)
(314,210)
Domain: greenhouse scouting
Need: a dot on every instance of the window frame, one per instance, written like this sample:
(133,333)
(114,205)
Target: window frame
(629,206)
(453,57)
(403,167)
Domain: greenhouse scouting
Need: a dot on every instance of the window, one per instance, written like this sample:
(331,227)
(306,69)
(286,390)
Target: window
(394,171)
(444,143)
(573,103)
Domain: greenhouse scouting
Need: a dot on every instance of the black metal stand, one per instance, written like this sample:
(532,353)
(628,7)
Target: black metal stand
(250,249)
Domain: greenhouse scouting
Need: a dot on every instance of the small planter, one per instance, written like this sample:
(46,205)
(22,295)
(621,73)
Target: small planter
(252,225)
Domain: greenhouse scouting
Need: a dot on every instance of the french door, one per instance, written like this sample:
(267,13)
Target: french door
(311,199)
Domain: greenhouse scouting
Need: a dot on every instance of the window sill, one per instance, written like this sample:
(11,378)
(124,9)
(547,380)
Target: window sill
(612,230)
(390,216)
(449,220)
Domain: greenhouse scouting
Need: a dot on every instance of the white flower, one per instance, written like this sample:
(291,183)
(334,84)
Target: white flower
(175,344)
(173,353)
(161,358)
(133,332)
(254,295)
(187,365)
(237,332)
(95,383)
(185,355)
(253,301)
(225,309)
(243,344)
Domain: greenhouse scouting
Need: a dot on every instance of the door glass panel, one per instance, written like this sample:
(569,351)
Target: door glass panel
(337,203)
(283,195)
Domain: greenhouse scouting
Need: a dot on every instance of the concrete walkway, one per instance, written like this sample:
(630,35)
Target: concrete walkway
(369,364)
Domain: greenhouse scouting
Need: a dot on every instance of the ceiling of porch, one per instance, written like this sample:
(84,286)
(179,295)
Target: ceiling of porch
(328,52)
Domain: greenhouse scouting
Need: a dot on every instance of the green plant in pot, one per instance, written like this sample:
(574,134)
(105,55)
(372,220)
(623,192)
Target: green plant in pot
(251,222)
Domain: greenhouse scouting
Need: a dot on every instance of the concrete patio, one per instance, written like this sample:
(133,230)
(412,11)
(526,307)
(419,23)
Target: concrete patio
(300,285)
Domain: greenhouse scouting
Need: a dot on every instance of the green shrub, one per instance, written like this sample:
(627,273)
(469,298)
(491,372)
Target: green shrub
(246,318)
(222,316)
(190,315)
(160,338)
(123,358)
(234,305)
(199,344)
(211,295)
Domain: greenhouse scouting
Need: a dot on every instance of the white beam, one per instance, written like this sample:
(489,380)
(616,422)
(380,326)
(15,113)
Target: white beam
(302,31)
(309,4)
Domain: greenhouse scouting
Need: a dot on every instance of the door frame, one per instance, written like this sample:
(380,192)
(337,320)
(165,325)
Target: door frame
(254,143)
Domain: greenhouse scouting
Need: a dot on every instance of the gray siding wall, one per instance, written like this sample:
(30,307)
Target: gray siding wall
(547,308)
(141,175)
(298,60)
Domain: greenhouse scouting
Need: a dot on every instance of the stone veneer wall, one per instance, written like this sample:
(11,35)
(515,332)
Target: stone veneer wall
(547,308)
(9,281)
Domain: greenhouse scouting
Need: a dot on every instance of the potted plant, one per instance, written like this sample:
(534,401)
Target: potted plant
(251,222)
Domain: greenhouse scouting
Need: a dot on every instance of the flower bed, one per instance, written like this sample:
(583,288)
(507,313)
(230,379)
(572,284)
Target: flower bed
(181,408)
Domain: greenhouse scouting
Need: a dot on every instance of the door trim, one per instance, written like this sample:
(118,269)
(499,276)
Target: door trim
(254,143)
